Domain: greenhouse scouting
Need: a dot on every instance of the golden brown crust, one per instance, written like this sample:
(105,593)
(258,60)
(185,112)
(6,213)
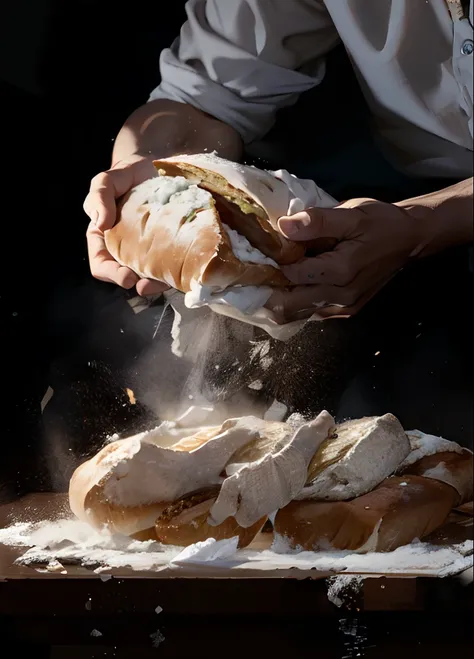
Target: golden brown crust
(185,522)
(255,226)
(100,512)
(161,244)
(455,469)
(398,511)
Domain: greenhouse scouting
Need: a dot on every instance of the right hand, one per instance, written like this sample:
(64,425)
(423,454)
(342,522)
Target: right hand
(100,206)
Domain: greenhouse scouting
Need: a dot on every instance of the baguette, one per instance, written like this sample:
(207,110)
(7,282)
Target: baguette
(151,485)
(397,512)
(185,522)
(401,509)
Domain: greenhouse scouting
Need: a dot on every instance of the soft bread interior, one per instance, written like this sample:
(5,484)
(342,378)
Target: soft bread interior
(237,210)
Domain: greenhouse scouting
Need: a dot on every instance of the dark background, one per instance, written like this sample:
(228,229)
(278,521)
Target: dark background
(69,76)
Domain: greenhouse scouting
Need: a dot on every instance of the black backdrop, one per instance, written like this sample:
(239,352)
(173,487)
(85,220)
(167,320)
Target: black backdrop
(64,95)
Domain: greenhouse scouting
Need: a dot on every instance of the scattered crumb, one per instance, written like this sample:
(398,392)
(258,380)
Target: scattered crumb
(46,398)
(96,633)
(343,588)
(131,396)
(105,577)
(257,385)
(157,638)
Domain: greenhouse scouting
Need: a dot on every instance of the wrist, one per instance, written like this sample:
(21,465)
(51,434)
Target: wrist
(442,219)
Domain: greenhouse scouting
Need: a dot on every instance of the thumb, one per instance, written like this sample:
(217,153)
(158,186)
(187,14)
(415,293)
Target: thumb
(314,223)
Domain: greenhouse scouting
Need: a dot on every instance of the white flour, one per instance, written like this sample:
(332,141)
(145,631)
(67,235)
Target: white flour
(423,445)
(246,252)
(72,542)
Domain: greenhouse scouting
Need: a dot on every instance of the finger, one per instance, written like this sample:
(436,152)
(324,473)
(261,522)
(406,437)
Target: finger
(100,206)
(103,266)
(333,312)
(314,223)
(151,287)
(338,267)
(328,301)
(296,304)
(226,504)
(107,187)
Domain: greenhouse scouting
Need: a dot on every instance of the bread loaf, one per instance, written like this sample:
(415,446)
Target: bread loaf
(204,221)
(401,509)
(186,522)
(356,458)
(216,481)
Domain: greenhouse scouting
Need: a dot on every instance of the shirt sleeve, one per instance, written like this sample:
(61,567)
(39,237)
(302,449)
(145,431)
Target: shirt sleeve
(242,60)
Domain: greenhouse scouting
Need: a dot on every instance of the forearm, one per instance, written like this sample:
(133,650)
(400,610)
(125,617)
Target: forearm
(164,128)
(446,217)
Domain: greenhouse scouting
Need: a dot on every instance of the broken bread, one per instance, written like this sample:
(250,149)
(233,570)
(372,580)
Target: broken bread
(186,521)
(204,221)
(399,510)
(356,458)
(362,485)
(253,466)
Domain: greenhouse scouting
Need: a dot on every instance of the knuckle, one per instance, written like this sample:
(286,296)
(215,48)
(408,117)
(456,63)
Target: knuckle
(95,271)
(101,180)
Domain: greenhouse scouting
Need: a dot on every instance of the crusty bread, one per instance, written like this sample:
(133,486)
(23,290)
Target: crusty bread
(453,468)
(130,482)
(91,489)
(182,486)
(185,522)
(178,243)
(356,458)
(397,512)
(205,220)
(248,199)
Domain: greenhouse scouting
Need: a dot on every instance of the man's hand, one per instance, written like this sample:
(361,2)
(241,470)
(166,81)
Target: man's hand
(363,243)
(372,242)
(100,206)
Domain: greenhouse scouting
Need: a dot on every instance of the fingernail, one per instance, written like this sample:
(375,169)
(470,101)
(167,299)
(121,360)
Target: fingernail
(291,226)
(129,281)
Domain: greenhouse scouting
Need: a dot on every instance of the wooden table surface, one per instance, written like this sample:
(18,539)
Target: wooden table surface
(55,615)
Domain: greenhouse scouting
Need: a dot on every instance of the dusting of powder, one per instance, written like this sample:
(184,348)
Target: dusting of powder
(245,252)
(423,445)
(73,542)
(162,190)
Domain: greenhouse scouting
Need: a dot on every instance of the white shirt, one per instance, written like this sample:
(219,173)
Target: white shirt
(242,60)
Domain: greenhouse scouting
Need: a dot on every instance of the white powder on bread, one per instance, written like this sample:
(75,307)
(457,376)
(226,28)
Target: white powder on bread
(246,252)
(423,445)
(162,190)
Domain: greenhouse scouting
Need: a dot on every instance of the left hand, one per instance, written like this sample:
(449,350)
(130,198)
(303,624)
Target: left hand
(372,242)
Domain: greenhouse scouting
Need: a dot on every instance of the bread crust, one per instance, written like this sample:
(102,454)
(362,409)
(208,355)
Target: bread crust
(180,244)
(397,512)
